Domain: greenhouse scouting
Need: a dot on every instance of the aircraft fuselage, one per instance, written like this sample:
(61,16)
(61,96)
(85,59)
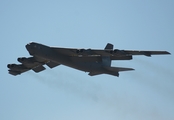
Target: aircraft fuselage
(94,61)
(80,63)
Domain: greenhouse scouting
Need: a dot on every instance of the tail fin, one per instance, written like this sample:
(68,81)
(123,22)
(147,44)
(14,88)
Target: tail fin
(109,46)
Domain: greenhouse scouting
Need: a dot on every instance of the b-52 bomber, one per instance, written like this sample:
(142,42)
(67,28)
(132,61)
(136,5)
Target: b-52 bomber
(94,61)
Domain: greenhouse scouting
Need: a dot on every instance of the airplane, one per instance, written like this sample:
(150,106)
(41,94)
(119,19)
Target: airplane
(93,61)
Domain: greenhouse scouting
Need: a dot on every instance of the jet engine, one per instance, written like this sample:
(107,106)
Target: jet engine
(22,60)
(11,66)
(25,60)
(117,51)
(16,67)
(80,51)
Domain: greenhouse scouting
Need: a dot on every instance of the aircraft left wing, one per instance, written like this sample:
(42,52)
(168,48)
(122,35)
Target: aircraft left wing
(31,63)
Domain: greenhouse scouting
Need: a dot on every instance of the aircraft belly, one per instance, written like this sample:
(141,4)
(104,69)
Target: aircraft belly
(85,66)
(85,63)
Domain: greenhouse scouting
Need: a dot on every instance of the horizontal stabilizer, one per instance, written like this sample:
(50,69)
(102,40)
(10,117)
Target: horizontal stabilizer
(118,69)
(115,70)
(110,70)
(39,68)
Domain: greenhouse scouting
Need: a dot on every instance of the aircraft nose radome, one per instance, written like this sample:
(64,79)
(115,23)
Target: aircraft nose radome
(29,45)
(29,48)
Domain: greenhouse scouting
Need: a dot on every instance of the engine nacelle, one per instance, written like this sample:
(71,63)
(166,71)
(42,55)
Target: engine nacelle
(80,50)
(25,60)
(11,66)
(22,60)
(16,67)
(120,52)
(114,51)
(111,52)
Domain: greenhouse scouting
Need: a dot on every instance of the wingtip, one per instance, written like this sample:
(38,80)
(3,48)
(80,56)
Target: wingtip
(132,69)
(168,52)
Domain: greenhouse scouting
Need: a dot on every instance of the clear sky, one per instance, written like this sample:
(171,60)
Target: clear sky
(64,93)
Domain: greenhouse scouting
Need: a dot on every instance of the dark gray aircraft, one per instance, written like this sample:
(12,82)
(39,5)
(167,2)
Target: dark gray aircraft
(94,61)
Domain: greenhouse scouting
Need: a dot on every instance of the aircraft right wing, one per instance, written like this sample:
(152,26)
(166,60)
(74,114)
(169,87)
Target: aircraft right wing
(115,54)
(31,63)
(146,53)
(125,53)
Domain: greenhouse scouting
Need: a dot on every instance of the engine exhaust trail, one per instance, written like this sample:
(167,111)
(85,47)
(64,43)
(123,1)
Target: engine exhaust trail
(155,76)
(69,83)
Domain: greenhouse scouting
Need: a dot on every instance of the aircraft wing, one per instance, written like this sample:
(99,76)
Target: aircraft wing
(146,53)
(122,53)
(115,54)
(31,63)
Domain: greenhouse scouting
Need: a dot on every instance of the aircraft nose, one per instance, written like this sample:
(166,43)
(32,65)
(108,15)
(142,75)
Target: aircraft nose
(29,48)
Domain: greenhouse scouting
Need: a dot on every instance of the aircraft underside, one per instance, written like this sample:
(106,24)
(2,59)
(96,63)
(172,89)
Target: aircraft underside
(94,61)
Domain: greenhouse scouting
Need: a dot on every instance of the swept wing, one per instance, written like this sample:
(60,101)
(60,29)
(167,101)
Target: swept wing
(31,63)
(114,54)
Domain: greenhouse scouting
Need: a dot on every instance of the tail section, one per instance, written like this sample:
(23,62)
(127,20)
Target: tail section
(106,63)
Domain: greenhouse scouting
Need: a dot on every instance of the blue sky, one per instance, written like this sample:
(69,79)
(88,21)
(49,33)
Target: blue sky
(64,93)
